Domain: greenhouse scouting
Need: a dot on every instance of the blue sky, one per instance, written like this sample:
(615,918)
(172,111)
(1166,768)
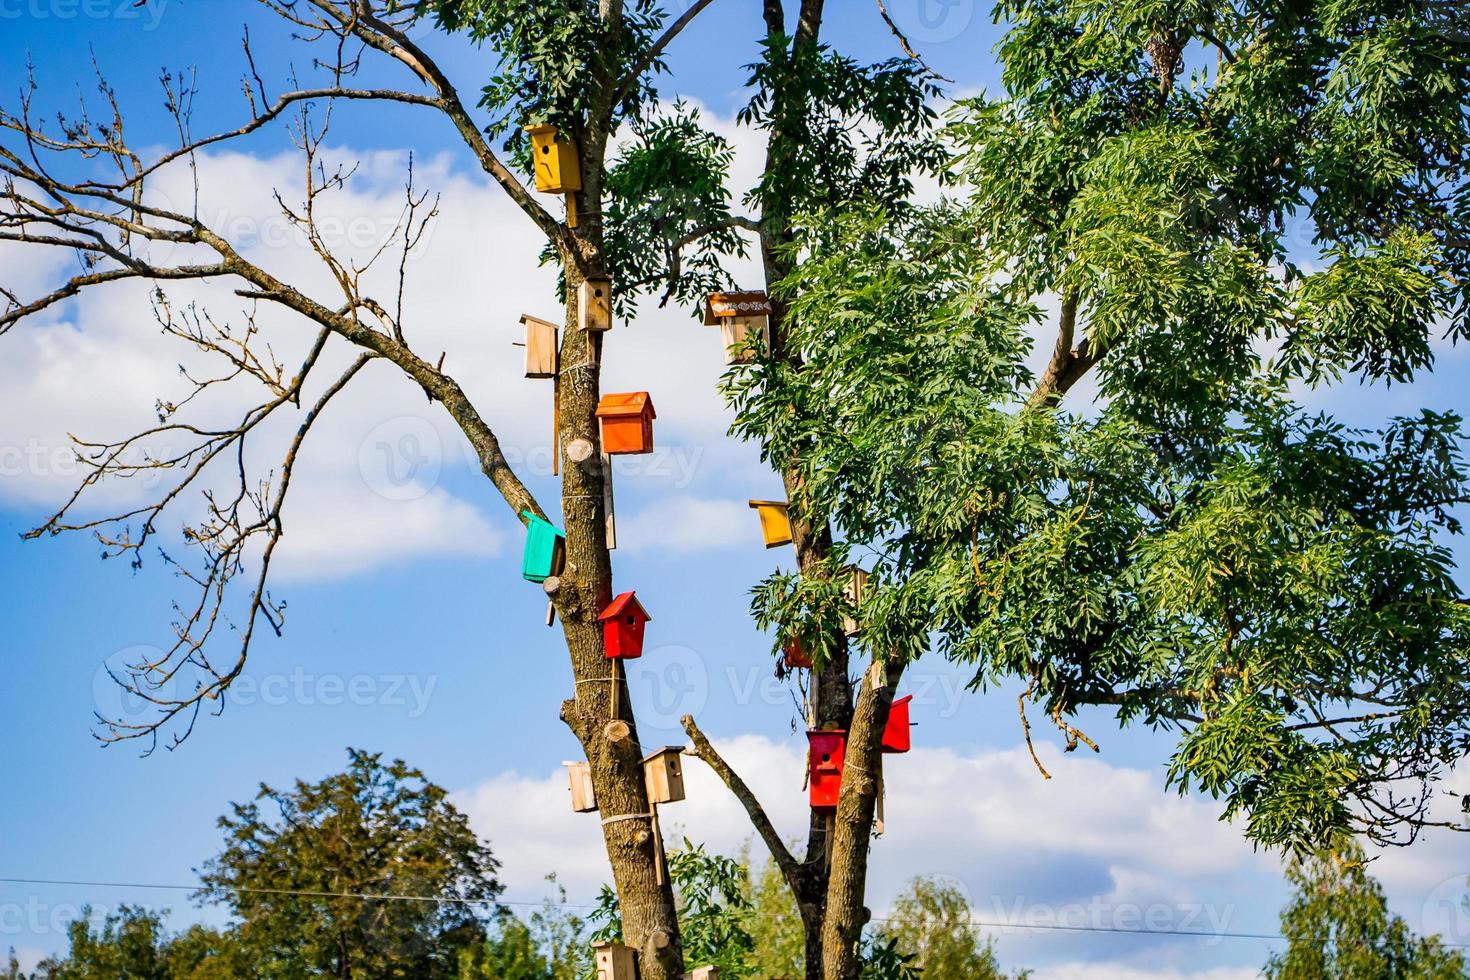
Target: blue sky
(410,631)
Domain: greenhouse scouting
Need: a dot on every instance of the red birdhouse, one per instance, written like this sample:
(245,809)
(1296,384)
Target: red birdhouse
(622,627)
(896,733)
(828,750)
(796,656)
(627,423)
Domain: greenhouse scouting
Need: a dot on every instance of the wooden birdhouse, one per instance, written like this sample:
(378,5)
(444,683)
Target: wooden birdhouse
(828,750)
(614,961)
(557,170)
(584,799)
(739,315)
(546,549)
(775,521)
(594,304)
(896,733)
(540,347)
(627,423)
(796,655)
(663,771)
(854,586)
(702,973)
(622,627)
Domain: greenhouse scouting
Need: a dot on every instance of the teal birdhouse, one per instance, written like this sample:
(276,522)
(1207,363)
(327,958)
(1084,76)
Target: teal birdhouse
(546,549)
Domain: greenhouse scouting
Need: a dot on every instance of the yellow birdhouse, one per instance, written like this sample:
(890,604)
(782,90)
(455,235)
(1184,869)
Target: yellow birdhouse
(584,799)
(557,170)
(854,586)
(775,521)
(738,315)
(594,304)
(540,347)
(663,771)
(615,961)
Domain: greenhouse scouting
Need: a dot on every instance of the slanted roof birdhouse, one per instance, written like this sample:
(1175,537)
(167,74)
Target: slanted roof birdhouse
(663,771)
(557,170)
(594,304)
(896,737)
(828,752)
(796,655)
(540,347)
(775,521)
(622,627)
(615,961)
(627,423)
(854,587)
(739,316)
(584,799)
(545,549)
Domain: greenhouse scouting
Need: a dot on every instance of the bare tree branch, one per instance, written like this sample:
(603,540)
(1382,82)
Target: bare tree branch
(626,83)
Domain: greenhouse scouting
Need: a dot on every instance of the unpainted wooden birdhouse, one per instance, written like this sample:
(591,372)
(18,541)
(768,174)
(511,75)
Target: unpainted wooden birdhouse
(663,771)
(622,627)
(594,304)
(614,961)
(828,752)
(557,169)
(796,655)
(702,973)
(739,316)
(540,347)
(854,587)
(584,799)
(896,736)
(775,521)
(627,423)
(545,549)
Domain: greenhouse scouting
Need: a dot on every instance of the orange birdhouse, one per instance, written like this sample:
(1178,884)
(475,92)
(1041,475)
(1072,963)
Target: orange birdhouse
(622,627)
(896,732)
(828,751)
(796,655)
(627,423)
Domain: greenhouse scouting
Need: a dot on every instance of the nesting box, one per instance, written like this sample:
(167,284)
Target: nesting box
(738,315)
(775,521)
(594,304)
(896,732)
(627,423)
(663,772)
(540,347)
(828,750)
(854,586)
(546,549)
(584,799)
(614,961)
(557,170)
(796,655)
(622,627)
(702,973)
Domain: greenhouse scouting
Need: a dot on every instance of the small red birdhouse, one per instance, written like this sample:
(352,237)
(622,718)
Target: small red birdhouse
(622,627)
(627,423)
(828,749)
(896,733)
(796,655)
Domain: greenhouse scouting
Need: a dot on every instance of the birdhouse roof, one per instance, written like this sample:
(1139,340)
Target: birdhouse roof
(528,318)
(537,129)
(903,700)
(534,522)
(676,749)
(626,602)
(758,504)
(749,303)
(626,403)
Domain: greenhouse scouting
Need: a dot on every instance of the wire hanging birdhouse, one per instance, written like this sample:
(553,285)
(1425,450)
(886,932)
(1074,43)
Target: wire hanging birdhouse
(775,521)
(740,317)
(627,423)
(622,627)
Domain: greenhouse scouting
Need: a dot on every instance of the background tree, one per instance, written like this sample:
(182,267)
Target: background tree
(1338,927)
(298,867)
(933,923)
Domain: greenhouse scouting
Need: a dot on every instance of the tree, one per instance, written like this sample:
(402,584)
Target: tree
(934,924)
(1338,927)
(303,871)
(657,217)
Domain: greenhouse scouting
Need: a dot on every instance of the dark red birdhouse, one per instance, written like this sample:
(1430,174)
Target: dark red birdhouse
(896,733)
(828,749)
(796,655)
(622,627)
